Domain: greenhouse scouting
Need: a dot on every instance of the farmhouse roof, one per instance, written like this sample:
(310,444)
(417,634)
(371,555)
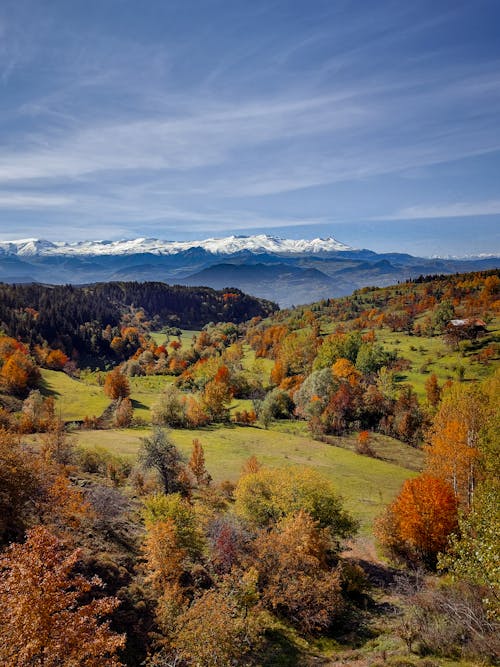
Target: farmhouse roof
(468,322)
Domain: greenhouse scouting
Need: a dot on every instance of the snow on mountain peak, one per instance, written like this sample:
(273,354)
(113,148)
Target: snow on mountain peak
(259,243)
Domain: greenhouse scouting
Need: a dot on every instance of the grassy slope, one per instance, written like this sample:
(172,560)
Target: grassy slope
(74,399)
(436,355)
(366,484)
(186,337)
(144,392)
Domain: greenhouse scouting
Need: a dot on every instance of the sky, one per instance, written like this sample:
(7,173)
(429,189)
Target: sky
(376,122)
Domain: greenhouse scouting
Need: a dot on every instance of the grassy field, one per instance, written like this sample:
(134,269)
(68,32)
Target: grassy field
(185,340)
(431,355)
(366,484)
(74,399)
(144,392)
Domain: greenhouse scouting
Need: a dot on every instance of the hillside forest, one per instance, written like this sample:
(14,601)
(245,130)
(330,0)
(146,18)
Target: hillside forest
(191,477)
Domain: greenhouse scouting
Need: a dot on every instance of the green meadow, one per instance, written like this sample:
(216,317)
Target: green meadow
(74,399)
(429,355)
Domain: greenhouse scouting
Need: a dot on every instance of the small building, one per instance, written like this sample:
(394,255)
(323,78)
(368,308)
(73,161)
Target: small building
(469,328)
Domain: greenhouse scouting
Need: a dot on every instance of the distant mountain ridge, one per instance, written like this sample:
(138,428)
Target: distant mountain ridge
(223,246)
(287,271)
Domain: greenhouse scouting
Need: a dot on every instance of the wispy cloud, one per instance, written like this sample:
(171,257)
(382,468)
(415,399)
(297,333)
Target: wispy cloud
(263,115)
(24,200)
(452,210)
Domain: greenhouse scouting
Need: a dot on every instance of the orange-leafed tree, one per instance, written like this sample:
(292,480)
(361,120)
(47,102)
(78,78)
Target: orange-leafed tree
(433,390)
(363,446)
(417,525)
(56,359)
(343,369)
(295,578)
(165,563)
(216,399)
(44,619)
(195,415)
(197,464)
(453,453)
(251,466)
(278,373)
(222,626)
(8,346)
(116,385)
(19,373)
(124,413)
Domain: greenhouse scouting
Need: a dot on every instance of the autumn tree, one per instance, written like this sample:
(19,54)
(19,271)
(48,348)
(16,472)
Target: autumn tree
(295,579)
(56,444)
(165,563)
(197,464)
(336,346)
(315,392)
(363,446)
(345,370)
(297,351)
(19,373)
(408,417)
(432,390)
(229,541)
(173,546)
(37,412)
(44,620)
(251,465)
(19,484)
(56,360)
(195,414)
(217,397)
(417,525)
(158,452)
(221,627)
(116,385)
(174,507)
(453,452)
(124,413)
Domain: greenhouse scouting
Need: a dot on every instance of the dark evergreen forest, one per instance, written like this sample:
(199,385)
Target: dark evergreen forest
(74,318)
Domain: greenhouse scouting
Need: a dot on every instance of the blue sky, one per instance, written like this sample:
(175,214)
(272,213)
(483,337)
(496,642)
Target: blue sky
(375,121)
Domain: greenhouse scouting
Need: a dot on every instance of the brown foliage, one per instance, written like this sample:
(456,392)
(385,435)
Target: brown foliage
(124,413)
(43,622)
(363,445)
(432,390)
(56,359)
(116,385)
(18,486)
(295,579)
(219,628)
(197,464)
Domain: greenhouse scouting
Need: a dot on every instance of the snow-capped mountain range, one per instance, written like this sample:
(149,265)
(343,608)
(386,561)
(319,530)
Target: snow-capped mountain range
(261,243)
(284,270)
